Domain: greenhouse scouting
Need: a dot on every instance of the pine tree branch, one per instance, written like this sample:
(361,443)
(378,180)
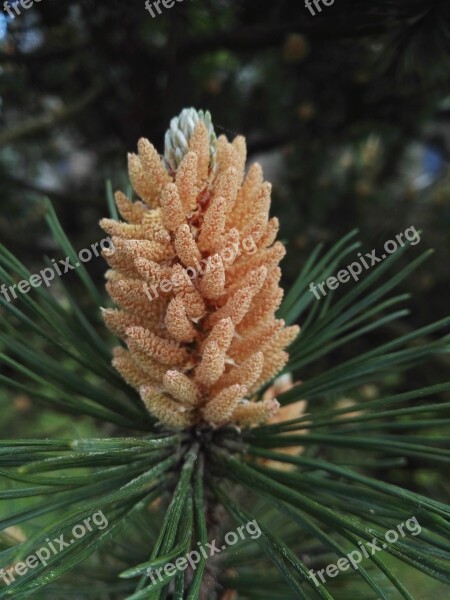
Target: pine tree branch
(48,192)
(45,122)
(45,53)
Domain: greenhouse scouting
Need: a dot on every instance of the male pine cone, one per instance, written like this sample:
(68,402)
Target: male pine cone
(201,240)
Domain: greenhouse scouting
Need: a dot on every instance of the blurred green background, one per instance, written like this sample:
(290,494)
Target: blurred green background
(348,112)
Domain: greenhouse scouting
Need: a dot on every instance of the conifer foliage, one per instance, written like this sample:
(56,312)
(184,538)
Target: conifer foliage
(188,445)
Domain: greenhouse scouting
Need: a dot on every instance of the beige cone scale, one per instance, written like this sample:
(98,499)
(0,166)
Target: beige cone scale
(205,339)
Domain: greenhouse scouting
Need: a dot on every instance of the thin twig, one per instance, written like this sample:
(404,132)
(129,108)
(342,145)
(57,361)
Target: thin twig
(40,124)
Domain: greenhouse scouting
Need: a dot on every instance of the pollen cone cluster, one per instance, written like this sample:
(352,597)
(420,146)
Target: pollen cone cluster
(194,273)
